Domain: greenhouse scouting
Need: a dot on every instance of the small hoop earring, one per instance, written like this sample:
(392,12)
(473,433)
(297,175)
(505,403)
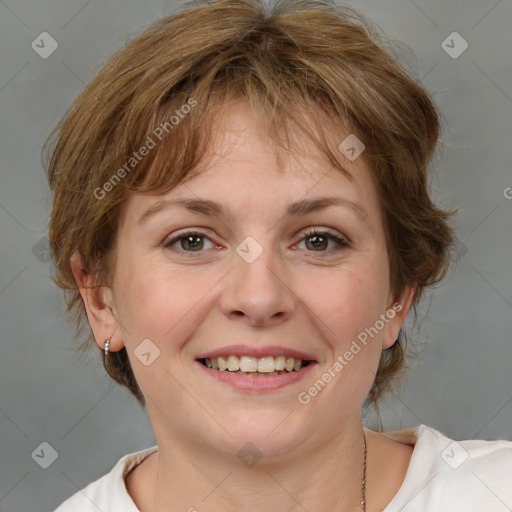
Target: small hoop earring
(107,343)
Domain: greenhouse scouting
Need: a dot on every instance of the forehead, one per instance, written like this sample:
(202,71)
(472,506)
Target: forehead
(246,170)
(241,136)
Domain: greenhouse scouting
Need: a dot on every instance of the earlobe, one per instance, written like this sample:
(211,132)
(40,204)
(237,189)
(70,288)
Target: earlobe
(406,300)
(398,311)
(97,301)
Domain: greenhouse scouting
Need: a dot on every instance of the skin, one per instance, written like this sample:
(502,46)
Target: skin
(294,294)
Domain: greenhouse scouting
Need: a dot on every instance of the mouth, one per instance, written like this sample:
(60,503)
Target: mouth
(251,366)
(256,369)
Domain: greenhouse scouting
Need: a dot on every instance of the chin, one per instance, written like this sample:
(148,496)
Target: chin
(271,434)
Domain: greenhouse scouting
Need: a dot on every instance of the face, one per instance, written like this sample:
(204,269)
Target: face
(253,279)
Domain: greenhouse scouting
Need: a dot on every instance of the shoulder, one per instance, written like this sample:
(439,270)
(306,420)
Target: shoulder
(108,492)
(479,469)
(446,474)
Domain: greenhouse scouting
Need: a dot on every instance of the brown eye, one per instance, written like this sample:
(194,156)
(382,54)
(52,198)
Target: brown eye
(189,241)
(192,242)
(318,241)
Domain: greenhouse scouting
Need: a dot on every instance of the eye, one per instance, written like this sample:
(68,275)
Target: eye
(190,241)
(317,241)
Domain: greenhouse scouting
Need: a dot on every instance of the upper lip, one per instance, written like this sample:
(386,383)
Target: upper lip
(256,351)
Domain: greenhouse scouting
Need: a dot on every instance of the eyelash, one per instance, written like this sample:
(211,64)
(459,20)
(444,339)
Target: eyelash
(343,243)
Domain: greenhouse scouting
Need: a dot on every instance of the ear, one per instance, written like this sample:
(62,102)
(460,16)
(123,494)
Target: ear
(99,305)
(396,315)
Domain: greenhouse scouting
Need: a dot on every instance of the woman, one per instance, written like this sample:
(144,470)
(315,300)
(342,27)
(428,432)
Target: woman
(241,210)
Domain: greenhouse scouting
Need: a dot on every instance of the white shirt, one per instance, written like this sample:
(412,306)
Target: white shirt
(443,476)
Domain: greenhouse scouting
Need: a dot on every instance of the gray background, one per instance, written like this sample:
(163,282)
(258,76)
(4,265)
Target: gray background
(462,385)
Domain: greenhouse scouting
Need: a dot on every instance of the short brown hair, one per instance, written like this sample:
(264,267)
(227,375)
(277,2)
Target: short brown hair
(313,54)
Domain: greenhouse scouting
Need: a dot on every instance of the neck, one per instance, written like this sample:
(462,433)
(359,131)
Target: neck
(323,476)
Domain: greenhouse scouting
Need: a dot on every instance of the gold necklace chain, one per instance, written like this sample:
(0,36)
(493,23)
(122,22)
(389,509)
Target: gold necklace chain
(363,483)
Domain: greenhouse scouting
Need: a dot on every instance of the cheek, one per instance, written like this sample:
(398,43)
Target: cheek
(347,301)
(142,298)
(160,303)
(346,309)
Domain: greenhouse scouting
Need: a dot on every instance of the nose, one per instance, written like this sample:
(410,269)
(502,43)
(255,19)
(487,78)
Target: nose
(258,292)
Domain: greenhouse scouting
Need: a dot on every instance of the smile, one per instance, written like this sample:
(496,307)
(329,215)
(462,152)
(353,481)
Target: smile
(255,366)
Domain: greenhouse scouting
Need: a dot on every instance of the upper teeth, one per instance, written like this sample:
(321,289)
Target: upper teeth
(254,364)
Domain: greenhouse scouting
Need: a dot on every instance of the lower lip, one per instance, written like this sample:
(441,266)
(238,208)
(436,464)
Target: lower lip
(247,383)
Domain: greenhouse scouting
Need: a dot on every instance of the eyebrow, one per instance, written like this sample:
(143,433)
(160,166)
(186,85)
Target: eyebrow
(212,208)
